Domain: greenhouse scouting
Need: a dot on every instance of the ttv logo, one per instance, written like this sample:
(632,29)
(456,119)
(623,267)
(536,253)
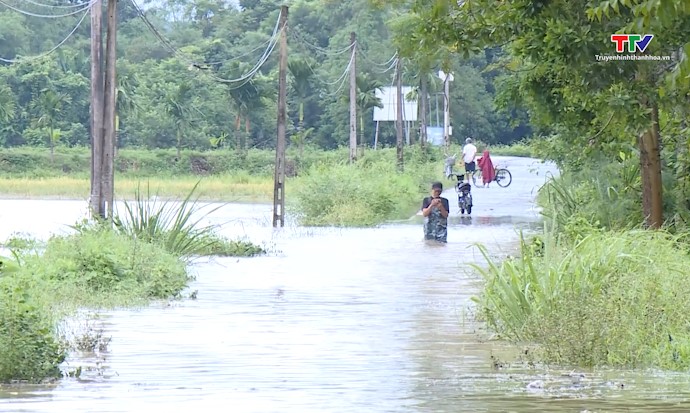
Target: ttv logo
(635,42)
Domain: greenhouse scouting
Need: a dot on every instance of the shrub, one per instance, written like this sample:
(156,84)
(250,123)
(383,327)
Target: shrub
(102,263)
(176,226)
(29,350)
(366,193)
(609,298)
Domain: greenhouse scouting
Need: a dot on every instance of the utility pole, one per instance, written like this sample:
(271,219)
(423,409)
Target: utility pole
(423,109)
(399,115)
(107,170)
(446,112)
(447,78)
(279,176)
(353,98)
(96,201)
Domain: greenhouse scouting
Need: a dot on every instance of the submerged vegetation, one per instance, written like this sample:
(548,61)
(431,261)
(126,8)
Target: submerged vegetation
(143,257)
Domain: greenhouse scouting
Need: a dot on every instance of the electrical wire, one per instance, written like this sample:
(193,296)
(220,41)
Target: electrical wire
(55,6)
(232,59)
(244,78)
(301,39)
(54,48)
(342,78)
(387,63)
(49,16)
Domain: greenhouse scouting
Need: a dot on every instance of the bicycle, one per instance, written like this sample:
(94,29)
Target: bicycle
(503,177)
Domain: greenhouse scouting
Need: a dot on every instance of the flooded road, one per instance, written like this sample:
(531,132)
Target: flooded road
(334,320)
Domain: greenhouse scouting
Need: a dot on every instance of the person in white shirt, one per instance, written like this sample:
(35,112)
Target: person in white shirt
(469,151)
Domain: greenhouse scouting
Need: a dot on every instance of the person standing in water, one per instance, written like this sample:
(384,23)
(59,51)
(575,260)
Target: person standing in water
(487,167)
(435,211)
(469,151)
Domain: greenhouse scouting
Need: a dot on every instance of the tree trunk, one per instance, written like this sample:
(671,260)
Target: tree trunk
(654,151)
(247,133)
(179,143)
(361,131)
(650,162)
(238,132)
(51,145)
(422,110)
(650,171)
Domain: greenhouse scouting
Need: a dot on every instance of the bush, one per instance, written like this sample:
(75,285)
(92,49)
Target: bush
(366,193)
(29,349)
(609,299)
(177,227)
(104,263)
(97,268)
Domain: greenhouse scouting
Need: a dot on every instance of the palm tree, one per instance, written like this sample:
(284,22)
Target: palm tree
(247,97)
(426,82)
(8,106)
(301,78)
(49,104)
(366,99)
(125,103)
(178,108)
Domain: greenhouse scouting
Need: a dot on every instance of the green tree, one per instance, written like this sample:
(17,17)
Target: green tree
(177,105)
(552,46)
(366,100)
(50,103)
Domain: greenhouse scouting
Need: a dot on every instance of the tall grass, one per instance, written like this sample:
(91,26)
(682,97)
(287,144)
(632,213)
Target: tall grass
(607,196)
(177,226)
(366,193)
(610,299)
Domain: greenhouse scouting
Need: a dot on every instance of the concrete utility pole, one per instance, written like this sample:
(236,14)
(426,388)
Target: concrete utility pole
(353,98)
(399,115)
(423,99)
(279,176)
(107,171)
(447,78)
(97,203)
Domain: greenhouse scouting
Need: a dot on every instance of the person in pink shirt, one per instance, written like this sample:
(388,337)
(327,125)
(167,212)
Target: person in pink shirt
(487,168)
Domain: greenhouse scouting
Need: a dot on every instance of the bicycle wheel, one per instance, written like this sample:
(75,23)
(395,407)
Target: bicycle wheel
(503,178)
(477,178)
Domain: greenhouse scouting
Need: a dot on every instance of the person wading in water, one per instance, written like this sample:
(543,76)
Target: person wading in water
(435,211)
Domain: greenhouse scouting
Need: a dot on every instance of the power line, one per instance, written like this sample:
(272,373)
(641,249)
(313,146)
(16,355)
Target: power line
(387,63)
(244,78)
(232,59)
(304,42)
(49,16)
(56,6)
(54,48)
(343,77)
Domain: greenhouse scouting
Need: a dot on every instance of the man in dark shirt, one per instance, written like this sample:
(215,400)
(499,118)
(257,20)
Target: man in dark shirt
(435,210)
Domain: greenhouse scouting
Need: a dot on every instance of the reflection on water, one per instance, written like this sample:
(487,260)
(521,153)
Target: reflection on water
(341,320)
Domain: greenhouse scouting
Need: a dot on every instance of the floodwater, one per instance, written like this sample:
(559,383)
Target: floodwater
(333,320)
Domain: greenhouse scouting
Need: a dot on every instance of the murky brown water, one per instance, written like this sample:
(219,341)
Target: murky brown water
(356,320)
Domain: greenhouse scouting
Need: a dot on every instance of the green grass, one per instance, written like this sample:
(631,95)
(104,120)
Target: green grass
(612,298)
(369,192)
